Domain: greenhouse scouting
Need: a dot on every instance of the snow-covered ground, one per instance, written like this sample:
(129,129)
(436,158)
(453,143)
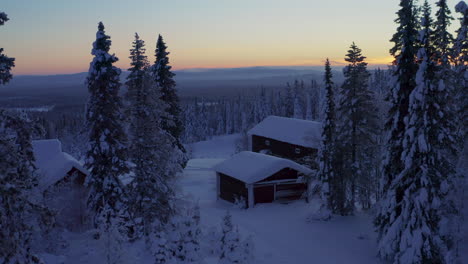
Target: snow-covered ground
(281,232)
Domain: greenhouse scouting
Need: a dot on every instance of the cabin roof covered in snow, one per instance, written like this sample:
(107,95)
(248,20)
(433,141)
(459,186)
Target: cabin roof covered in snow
(290,130)
(52,163)
(251,167)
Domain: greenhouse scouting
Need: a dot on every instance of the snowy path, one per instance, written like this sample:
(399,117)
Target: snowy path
(281,233)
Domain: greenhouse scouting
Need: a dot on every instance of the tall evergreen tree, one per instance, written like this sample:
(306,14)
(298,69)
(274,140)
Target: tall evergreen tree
(106,156)
(16,177)
(460,59)
(16,180)
(441,37)
(356,132)
(425,181)
(330,183)
(147,143)
(163,76)
(404,72)
(6,63)
(138,72)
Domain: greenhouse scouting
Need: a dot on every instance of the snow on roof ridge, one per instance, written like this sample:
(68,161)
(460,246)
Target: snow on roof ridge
(251,167)
(52,163)
(295,131)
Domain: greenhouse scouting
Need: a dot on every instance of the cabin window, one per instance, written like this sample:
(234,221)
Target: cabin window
(297,150)
(267,142)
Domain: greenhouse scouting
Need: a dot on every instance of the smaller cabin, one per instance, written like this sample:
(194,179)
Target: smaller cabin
(61,181)
(289,138)
(259,178)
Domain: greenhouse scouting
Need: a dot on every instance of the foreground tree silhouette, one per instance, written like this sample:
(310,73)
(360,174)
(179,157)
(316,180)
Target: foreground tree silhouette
(6,63)
(164,79)
(404,72)
(106,155)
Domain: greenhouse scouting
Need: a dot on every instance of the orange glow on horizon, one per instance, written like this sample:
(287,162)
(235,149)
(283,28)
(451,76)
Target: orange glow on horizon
(54,69)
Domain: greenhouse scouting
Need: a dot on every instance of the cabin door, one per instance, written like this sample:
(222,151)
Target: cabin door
(264,194)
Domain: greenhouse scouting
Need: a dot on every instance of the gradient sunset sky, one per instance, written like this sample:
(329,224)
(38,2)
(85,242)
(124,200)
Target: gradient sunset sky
(55,36)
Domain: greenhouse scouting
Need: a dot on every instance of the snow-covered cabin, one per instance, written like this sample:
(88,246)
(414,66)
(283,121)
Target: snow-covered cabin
(60,182)
(259,178)
(284,137)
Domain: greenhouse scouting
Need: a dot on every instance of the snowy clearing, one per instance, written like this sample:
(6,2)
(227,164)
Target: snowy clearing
(281,232)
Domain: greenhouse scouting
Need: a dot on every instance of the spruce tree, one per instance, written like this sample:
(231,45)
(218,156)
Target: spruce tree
(6,63)
(441,37)
(330,183)
(460,60)
(106,155)
(17,177)
(404,72)
(151,148)
(231,248)
(356,132)
(425,181)
(288,102)
(164,79)
(138,72)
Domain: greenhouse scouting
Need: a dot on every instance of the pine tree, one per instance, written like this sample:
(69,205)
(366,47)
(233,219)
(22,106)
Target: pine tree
(404,72)
(138,72)
(152,148)
(330,183)
(297,107)
(425,181)
(106,156)
(460,60)
(146,143)
(6,63)
(163,76)
(248,250)
(16,179)
(231,249)
(356,132)
(161,249)
(183,238)
(441,37)
(288,102)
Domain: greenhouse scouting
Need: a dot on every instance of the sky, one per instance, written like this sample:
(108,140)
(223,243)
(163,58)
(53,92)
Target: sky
(55,36)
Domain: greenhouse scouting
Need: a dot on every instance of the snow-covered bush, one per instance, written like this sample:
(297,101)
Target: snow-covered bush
(233,249)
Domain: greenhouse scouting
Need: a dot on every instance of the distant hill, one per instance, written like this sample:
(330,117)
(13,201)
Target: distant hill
(70,88)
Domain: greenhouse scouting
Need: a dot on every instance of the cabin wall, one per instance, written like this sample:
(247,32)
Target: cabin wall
(282,149)
(68,198)
(232,189)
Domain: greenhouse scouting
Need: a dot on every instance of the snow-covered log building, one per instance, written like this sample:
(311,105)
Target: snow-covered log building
(288,138)
(259,178)
(60,182)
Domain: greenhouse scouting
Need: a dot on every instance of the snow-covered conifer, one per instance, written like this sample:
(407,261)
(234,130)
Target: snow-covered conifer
(163,77)
(288,101)
(327,153)
(16,180)
(356,132)
(460,59)
(6,63)
(404,71)
(231,247)
(423,185)
(151,149)
(106,156)
(248,249)
(183,236)
(441,37)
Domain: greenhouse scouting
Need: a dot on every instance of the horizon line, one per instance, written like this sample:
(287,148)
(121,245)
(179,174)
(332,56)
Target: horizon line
(336,65)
